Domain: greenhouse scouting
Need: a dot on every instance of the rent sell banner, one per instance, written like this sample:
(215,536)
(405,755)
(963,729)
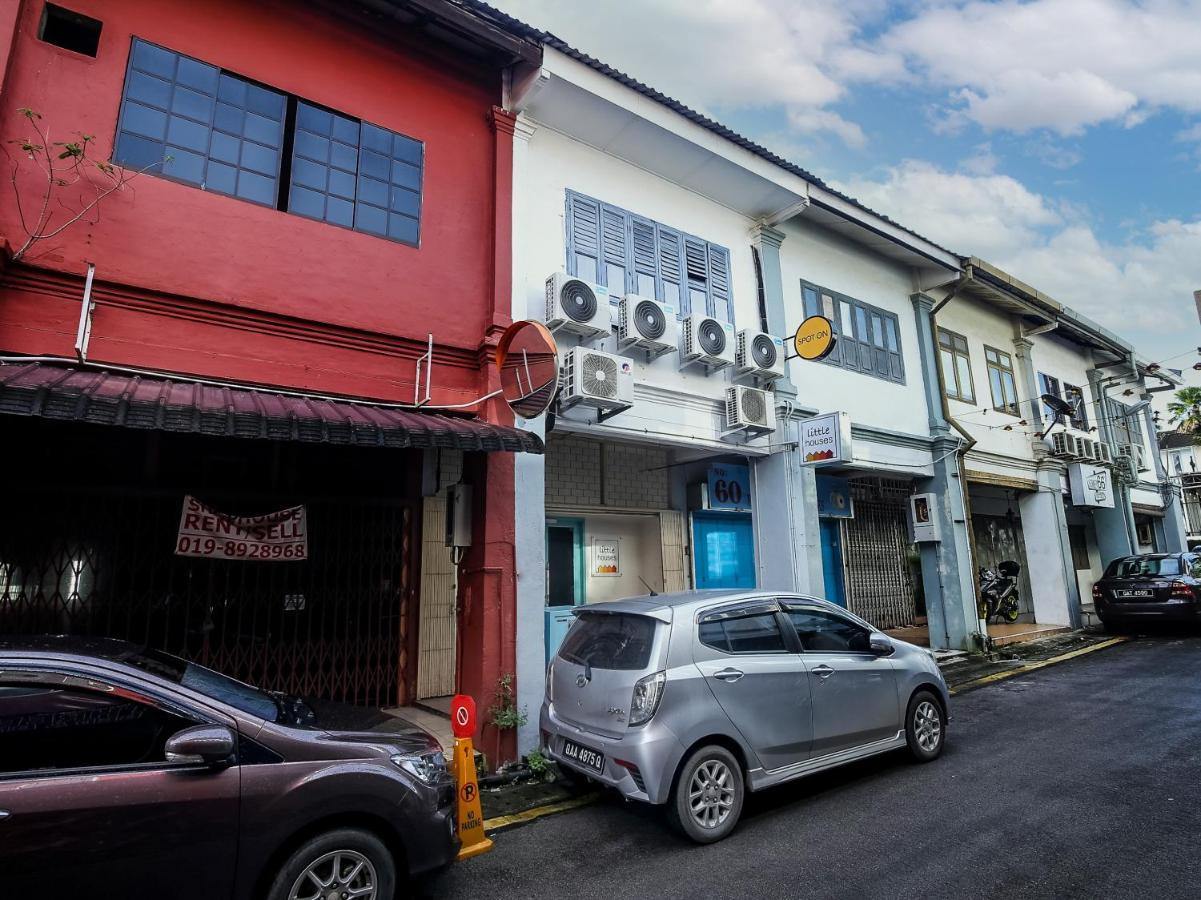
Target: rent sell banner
(279,536)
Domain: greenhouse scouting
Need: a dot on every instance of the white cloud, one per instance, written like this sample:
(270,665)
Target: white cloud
(1063,65)
(1140,288)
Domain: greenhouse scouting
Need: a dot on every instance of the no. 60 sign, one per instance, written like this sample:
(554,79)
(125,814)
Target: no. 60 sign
(729,487)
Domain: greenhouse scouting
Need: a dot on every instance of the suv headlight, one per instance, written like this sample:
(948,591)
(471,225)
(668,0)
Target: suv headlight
(647,694)
(428,767)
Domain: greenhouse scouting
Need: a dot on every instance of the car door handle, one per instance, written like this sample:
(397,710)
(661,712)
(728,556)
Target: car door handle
(728,674)
(823,671)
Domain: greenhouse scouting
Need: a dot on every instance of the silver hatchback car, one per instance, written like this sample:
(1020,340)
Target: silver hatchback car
(689,700)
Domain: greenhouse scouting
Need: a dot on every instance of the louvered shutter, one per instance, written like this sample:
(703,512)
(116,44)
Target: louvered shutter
(672,543)
(645,267)
(613,233)
(583,237)
(696,267)
(719,283)
(670,269)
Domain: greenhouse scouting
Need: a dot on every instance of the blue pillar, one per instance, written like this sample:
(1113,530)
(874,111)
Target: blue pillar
(766,241)
(948,575)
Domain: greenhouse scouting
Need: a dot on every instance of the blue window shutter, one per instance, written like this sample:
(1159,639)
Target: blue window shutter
(671,276)
(719,283)
(809,300)
(583,232)
(643,246)
(614,233)
(696,270)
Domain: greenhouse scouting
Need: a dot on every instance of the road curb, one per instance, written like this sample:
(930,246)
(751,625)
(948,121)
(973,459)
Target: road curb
(1031,667)
(502,822)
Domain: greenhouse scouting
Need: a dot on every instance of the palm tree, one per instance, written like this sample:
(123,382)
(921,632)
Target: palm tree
(1185,410)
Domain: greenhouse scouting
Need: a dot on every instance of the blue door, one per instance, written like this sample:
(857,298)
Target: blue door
(831,530)
(564,577)
(724,549)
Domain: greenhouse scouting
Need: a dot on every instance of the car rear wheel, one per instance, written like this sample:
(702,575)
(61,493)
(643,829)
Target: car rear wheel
(925,726)
(341,864)
(708,795)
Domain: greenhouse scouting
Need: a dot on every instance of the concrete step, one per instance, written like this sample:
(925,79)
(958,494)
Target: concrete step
(1033,633)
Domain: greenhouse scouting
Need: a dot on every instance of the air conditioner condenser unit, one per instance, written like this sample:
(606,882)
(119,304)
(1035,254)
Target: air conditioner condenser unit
(648,325)
(708,341)
(759,355)
(597,379)
(576,306)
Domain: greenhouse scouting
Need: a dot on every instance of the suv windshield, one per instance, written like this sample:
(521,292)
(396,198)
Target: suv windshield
(205,681)
(1134,566)
(609,641)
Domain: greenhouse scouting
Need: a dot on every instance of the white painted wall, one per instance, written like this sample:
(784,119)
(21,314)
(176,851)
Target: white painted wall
(811,253)
(640,554)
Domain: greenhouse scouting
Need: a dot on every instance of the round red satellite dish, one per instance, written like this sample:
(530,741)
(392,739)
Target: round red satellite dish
(462,716)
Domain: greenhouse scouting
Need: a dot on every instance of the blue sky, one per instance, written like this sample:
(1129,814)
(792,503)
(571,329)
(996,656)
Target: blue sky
(1059,139)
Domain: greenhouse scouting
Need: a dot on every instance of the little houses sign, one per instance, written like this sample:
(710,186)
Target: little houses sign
(1091,485)
(826,439)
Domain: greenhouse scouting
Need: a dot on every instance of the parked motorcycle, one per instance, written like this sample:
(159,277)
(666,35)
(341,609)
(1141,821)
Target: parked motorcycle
(999,591)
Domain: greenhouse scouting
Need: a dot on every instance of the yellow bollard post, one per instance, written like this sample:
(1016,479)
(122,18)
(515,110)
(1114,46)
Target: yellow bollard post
(469,816)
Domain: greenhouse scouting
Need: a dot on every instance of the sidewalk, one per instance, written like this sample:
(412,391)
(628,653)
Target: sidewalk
(510,804)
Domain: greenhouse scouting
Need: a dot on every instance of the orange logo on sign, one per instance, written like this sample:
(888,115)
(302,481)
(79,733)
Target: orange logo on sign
(814,338)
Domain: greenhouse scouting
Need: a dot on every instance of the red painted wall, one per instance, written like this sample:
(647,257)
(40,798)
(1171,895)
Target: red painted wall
(197,282)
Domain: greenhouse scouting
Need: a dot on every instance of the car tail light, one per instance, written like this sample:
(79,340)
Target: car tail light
(647,693)
(550,682)
(1180,590)
(1096,592)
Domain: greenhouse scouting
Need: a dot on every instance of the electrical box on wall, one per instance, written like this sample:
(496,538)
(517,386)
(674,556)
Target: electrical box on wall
(458,515)
(923,524)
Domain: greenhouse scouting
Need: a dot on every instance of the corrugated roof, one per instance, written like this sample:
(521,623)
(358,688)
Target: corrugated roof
(143,401)
(521,29)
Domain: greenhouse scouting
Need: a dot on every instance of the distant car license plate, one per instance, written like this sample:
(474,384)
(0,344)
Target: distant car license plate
(1138,593)
(584,756)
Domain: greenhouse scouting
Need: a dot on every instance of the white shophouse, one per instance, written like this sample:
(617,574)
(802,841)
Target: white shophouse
(673,461)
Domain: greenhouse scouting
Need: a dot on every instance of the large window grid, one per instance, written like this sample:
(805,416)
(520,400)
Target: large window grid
(956,366)
(869,339)
(628,253)
(1001,381)
(203,126)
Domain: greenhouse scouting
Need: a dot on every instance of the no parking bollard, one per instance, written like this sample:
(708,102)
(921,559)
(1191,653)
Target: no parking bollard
(469,817)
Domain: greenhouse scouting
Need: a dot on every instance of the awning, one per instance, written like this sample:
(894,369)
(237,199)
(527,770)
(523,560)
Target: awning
(143,401)
(1143,509)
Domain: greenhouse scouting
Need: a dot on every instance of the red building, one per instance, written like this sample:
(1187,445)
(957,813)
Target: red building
(321,190)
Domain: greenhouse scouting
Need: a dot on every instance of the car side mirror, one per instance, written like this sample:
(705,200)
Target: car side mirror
(208,744)
(881,645)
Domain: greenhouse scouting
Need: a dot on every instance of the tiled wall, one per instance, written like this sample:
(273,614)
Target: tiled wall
(584,472)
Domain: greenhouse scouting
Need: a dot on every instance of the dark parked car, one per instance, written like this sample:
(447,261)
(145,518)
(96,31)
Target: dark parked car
(129,773)
(1152,586)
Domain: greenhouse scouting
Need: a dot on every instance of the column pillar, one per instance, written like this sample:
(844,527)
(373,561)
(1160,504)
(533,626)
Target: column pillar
(1114,527)
(529,483)
(789,553)
(1055,592)
(948,573)
(1170,531)
(766,241)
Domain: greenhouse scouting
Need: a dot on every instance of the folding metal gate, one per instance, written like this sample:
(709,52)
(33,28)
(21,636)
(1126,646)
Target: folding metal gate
(876,551)
(331,627)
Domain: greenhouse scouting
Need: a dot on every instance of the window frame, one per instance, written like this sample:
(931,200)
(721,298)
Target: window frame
(79,682)
(1002,369)
(1049,384)
(957,353)
(286,152)
(841,308)
(621,242)
(1078,419)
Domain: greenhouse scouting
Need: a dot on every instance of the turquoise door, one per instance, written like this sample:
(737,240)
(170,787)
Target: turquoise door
(724,550)
(831,530)
(564,577)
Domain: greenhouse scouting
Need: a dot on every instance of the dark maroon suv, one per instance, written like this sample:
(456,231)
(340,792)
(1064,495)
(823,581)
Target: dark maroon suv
(130,773)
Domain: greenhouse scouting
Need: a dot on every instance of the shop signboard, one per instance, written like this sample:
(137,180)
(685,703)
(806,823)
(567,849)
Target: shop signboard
(826,439)
(274,537)
(1091,485)
(729,487)
(834,498)
(606,557)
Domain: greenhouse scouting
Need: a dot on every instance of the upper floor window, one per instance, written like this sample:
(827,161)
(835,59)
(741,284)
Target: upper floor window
(869,339)
(630,254)
(1049,385)
(1001,383)
(1075,396)
(224,133)
(956,366)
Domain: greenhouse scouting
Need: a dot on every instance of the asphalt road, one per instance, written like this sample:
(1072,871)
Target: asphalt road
(1078,780)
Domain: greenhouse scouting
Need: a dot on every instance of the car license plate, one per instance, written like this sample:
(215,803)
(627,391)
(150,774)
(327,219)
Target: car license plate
(1137,593)
(584,756)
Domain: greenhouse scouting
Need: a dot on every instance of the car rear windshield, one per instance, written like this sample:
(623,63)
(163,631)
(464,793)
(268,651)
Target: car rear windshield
(609,641)
(1134,566)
